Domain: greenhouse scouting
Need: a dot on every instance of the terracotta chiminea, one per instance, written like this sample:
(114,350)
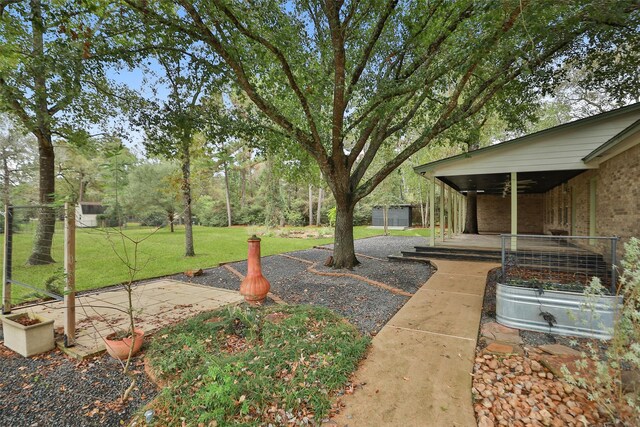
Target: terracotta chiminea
(254,287)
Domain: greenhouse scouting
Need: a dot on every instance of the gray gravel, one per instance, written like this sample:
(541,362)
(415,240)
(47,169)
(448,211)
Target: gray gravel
(383,246)
(52,390)
(366,306)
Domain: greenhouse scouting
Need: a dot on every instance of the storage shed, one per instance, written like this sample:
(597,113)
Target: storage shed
(398,216)
(87,214)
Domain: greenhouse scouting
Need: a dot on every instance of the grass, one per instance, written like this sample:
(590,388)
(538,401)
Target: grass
(253,366)
(162,253)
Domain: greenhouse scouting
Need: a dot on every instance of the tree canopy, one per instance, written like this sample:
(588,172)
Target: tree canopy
(343,79)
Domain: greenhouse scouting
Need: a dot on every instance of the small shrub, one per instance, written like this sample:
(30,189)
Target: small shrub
(601,375)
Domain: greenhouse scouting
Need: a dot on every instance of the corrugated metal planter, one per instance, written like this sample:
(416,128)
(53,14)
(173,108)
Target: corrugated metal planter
(522,308)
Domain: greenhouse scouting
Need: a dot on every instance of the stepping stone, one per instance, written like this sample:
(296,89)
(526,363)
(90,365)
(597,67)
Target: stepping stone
(493,327)
(555,363)
(559,350)
(497,332)
(501,348)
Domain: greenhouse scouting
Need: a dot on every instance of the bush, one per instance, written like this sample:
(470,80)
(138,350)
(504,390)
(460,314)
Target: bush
(249,215)
(604,376)
(153,219)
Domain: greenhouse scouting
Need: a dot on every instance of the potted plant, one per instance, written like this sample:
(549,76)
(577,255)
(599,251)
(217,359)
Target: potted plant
(122,344)
(28,333)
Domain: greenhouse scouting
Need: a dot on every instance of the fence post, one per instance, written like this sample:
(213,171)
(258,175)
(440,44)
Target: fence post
(70,275)
(504,273)
(6,260)
(614,260)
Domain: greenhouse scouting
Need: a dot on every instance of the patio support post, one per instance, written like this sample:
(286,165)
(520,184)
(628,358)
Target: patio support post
(449,213)
(70,274)
(442,211)
(432,211)
(454,200)
(460,213)
(514,210)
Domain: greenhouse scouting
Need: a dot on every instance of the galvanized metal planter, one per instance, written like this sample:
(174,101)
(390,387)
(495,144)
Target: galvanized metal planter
(520,307)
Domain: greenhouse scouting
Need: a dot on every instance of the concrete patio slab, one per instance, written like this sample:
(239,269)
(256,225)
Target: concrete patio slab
(418,371)
(156,304)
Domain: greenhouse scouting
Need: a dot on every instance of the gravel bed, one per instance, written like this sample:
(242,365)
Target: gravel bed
(406,276)
(366,306)
(313,255)
(218,277)
(54,390)
(383,246)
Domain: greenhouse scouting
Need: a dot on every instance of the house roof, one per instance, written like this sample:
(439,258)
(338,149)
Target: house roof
(607,126)
(542,159)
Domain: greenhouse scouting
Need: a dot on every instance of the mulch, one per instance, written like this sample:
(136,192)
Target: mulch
(52,389)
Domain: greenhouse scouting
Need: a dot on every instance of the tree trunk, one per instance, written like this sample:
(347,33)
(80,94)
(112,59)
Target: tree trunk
(320,200)
(41,252)
(170,218)
(186,197)
(82,187)
(226,193)
(423,217)
(6,185)
(344,255)
(471,219)
(310,204)
(385,219)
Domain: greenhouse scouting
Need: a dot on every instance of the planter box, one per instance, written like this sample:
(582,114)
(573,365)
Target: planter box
(520,307)
(28,340)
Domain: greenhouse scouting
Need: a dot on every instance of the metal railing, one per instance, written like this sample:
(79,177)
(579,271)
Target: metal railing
(562,262)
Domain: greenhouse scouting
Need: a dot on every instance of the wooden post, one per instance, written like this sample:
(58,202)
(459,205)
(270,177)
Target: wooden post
(514,210)
(6,259)
(432,211)
(442,226)
(449,213)
(460,213)
(70,275)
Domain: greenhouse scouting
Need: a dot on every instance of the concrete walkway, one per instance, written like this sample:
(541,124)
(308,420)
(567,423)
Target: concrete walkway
(418,371)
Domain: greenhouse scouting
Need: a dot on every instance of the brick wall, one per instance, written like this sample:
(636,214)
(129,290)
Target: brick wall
(617,200)
(494,213)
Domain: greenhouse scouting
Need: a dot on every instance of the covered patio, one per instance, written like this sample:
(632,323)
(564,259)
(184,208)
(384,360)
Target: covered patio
(554,182)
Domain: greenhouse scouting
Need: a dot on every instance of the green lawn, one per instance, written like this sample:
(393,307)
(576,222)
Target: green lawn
(160,254)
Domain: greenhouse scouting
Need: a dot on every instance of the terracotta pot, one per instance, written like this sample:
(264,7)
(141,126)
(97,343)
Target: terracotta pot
(254,287)
(119,348)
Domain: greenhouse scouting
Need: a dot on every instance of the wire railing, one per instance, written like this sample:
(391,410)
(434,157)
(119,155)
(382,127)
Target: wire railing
(566,263)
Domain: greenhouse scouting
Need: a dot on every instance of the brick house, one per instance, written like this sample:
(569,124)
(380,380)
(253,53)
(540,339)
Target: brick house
(581,178)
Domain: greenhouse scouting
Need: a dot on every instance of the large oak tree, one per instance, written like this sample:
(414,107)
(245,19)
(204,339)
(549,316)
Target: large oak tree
(345,78)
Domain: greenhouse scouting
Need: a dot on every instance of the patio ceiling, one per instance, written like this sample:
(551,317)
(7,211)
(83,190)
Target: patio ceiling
(500,183)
